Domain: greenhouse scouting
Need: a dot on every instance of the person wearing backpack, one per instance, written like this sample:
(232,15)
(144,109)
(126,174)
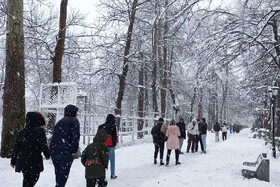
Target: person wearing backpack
(95,158)
(159,138)
(110,127)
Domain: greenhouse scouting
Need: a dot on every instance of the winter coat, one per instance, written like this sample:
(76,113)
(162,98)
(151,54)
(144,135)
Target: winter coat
(182,127)
(158,136)
(192,129)
(111,129)
(217,127)
(202,127)
(173,133)
(30,143)
(66,135)
(224,129)
(96,156)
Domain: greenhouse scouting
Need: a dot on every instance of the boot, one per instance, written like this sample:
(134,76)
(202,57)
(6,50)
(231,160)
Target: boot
(178,163)
(155,161)
(167,163)
(161,162)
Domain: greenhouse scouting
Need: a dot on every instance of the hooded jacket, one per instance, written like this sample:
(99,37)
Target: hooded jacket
(96,156)
(66,135)
(111,129)
(30,143)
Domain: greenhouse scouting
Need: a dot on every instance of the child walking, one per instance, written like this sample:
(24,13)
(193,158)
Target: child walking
(95,159)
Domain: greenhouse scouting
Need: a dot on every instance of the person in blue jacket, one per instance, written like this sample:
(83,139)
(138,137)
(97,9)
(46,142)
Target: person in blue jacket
(65,143)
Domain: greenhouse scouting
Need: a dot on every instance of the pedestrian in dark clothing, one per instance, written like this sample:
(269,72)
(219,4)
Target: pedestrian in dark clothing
(95,158)
(111,129)
(198,137)
(159,138)
(217,129)
(182,127)
(65,144)
(31,142)
(203,130)
(192,132)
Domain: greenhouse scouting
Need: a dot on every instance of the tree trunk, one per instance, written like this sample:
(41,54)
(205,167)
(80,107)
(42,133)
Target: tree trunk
(14,87)
(122,77)
(164,66)
(57,60)
(200,112)
(59,49)
(154,72)
(141,97)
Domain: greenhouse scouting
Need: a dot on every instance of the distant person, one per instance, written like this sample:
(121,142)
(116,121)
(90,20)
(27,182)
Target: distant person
(198,136)
(203,130)
(95,158)
(192,132)
(224,132)
(159,138)
(173,134)
(112,140)
(30,143)
(217,129)
(65,143)
(182,127)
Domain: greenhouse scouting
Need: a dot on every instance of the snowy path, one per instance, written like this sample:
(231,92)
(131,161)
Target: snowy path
(221,166)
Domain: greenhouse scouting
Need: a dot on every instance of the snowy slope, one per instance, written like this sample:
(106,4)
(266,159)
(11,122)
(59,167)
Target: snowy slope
(221,166)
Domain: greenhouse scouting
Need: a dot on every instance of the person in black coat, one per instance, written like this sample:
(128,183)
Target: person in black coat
(159,138)
(31,142)
(198,136)
(182,127)
(111,142)
(65,144)
(217,129)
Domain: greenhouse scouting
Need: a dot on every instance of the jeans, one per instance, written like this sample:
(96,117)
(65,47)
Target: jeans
(30,179)
(191,142)
(169,153)
(181,140)
(112,159)
(159,147)
(224,136)
(203,137)
(216,136)
(62,164)
(198,139)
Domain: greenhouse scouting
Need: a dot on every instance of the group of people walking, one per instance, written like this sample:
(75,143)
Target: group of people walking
(31,142)
(217,128)
(174,136)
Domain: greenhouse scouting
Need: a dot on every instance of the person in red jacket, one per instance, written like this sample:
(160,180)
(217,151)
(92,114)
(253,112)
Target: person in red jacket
(111,142)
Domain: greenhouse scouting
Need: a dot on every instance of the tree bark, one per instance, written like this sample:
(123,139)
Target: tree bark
(14,87)
(141,97)
(154,72)
(122,77)
(59,49)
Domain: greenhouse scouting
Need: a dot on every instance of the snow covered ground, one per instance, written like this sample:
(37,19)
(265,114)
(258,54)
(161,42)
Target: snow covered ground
(221,166)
